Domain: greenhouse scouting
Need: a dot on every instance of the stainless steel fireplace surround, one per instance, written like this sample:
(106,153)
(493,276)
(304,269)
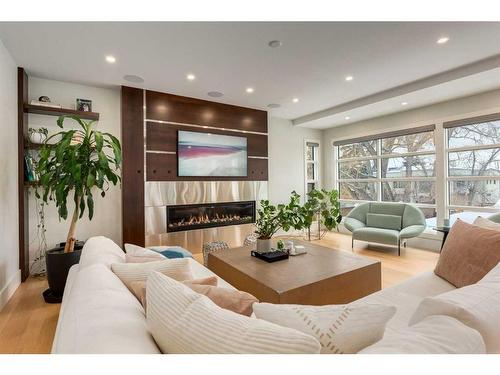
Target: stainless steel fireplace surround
(160,194)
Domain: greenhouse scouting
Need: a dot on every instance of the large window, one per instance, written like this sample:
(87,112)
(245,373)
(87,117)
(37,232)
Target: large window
(473,163)
(312,158)
(394,168)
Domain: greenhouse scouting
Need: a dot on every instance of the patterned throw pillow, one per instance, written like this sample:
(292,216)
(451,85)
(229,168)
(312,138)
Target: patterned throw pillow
(340,329)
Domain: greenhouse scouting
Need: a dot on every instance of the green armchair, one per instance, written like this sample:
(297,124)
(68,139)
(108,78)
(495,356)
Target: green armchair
(387,223)
(495,218)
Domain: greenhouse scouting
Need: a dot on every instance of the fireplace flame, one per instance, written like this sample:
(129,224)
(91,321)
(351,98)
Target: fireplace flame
(206,219)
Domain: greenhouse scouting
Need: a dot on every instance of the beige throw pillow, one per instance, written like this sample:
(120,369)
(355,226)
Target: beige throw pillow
(138,288)
(468,254)
(477,306)
(340,329)
(138,251)
(183,321)
(141,259)
(487,224)
(178,269)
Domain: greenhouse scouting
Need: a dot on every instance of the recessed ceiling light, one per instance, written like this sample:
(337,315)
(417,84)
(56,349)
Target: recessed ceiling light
(295,100)
(132,78)
(273,105)
(215,94)
(347,118)
(191,77)
(275,44)
(249,90)
(404,103)
(110,59)
(349,78)
(442,40)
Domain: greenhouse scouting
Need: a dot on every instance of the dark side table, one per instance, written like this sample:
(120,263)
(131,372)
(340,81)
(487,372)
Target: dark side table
(445,231)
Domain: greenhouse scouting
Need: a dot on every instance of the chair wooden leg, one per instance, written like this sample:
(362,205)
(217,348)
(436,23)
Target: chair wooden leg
(352,244)
(399,248)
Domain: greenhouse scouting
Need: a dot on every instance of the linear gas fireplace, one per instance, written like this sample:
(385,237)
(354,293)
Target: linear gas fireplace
(209,215)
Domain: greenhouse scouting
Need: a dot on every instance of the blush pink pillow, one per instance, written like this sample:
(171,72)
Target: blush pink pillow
(468,254)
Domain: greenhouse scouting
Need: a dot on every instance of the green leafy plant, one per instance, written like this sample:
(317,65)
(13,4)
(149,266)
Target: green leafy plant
(272,218)
(326,204)
(82,161)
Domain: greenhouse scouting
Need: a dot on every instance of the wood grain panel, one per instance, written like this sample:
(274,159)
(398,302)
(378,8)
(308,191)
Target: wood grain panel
(163,137)
(181,109)
(163,167)
(132,129)
(22,133)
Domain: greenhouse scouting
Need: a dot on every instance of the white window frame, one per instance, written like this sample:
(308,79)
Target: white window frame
(379,179)
(450,207)
(316,163)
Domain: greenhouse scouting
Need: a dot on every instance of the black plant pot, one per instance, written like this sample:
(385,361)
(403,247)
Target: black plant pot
(58,264)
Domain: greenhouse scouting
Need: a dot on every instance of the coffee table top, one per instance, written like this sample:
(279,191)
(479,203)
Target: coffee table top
(318,264)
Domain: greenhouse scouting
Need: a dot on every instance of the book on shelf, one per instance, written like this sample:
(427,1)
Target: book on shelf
(29,168)
(45,104)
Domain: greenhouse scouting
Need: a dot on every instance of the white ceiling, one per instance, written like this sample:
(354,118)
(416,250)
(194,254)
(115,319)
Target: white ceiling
(311,63)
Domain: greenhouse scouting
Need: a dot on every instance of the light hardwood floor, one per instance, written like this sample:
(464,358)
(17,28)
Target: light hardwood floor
(27,323)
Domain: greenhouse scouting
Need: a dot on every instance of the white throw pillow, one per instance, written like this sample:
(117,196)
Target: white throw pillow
(101,250)
(139,251)
(340,329)
(437,334)
(183,321)
(485,223)
(477,306)
(178,269)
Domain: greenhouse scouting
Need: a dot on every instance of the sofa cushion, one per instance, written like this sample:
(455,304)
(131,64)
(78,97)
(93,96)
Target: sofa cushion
(340,329)
(100,316)
(178,269)
(477,306)
(383,221)
(387,208)
(387,236)
(183,321)
(139,251)
(468,254)
(172,252)
(101,250)
(433,335)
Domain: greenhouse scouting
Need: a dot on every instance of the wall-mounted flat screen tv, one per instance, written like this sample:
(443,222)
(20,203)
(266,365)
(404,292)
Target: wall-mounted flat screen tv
(211,155)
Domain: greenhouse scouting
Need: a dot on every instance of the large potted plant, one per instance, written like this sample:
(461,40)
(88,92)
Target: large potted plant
(84,161)
(272,218)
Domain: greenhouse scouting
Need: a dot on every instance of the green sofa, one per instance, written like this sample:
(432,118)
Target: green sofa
(386,223)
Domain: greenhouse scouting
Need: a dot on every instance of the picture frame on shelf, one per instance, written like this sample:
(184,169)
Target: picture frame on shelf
(84,105)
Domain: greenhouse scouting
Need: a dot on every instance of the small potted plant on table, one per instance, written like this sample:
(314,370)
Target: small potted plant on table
(82,162)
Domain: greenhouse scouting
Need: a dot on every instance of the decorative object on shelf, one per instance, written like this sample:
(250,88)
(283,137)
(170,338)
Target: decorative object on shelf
(270,256)
(321,203)
(30,173)
(81,169)
(84,105)
(44,101)
(37,135)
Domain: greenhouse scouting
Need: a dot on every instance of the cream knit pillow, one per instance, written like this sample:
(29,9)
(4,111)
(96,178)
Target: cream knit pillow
(178,269)
(183,321)
(340,329)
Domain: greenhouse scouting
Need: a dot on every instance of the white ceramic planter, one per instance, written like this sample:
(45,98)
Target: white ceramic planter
(263,246)
(37,138)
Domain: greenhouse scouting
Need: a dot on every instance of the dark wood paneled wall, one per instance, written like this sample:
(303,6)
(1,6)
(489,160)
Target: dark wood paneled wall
(132,128)
(163,137)
(163,167)
(168,114)
(22,134)
(184,110)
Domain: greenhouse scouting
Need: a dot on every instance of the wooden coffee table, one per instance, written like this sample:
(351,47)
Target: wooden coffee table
(322,276)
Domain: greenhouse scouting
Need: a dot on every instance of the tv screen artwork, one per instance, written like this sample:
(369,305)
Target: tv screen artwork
(205,154)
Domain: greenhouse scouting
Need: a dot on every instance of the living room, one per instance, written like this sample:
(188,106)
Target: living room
(189,187)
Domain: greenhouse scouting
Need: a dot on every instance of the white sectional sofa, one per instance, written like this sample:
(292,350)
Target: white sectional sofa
(100,315)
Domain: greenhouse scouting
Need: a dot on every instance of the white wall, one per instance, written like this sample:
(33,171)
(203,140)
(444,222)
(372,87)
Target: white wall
(107,213)
(286,158)
(10,276)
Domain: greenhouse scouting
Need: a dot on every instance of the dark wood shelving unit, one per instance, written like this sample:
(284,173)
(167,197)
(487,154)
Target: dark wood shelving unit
(41,110)
(23,108)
